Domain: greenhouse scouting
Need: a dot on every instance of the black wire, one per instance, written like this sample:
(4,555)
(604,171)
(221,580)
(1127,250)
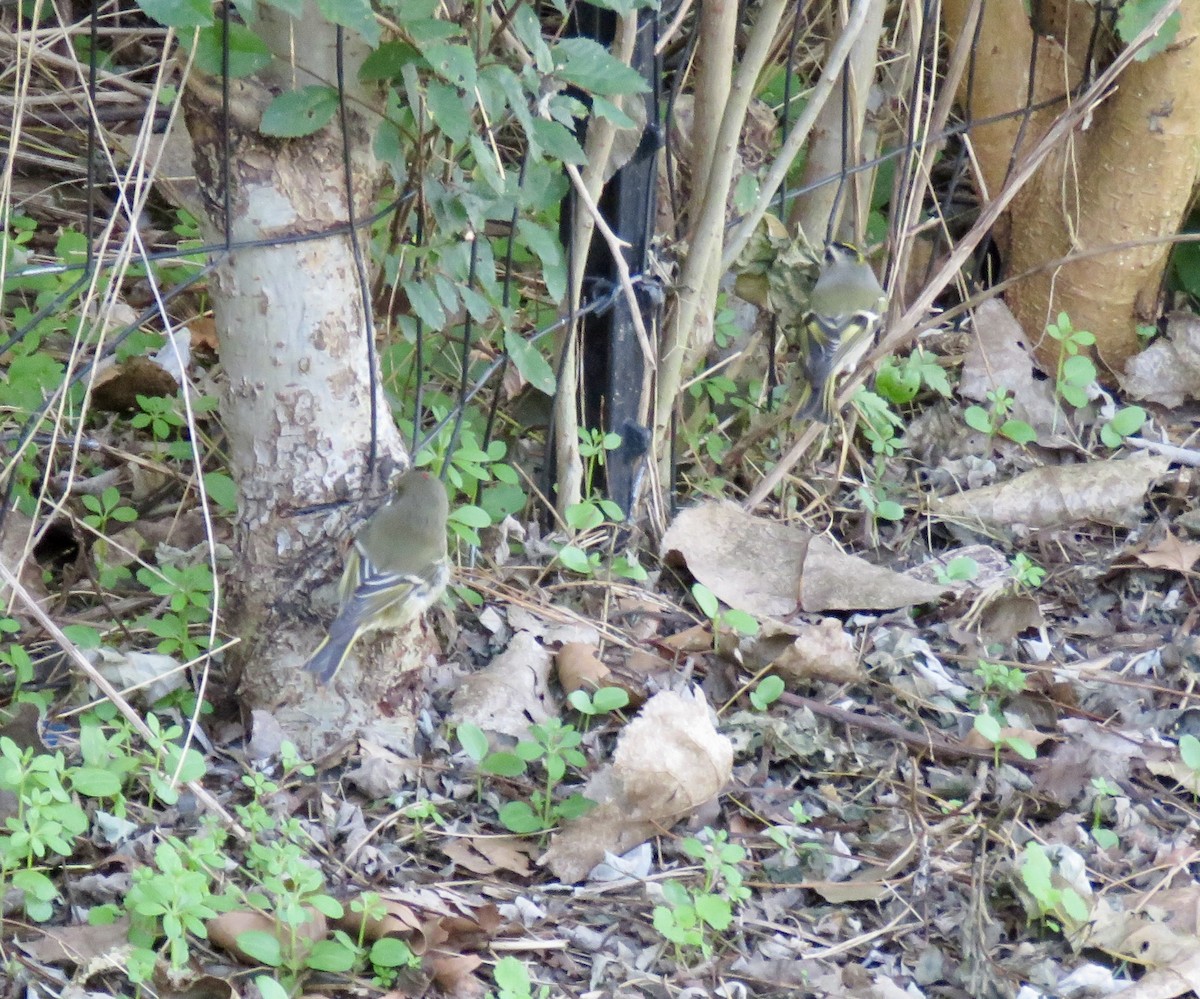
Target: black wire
(360,267)
(506,294)
(468,326)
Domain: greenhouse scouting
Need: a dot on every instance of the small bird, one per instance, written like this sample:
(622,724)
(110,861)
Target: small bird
(844,310)
(396,569)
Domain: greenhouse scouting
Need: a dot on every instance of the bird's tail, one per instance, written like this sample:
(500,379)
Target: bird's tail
(816,406)
(334,647)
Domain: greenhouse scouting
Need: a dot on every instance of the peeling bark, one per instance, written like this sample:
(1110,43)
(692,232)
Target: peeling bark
(297,407)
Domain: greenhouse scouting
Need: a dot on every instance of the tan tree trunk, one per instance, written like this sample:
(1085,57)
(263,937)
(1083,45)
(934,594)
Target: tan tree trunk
(1127,178)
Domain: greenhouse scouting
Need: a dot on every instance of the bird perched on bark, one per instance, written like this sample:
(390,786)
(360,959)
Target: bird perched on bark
(844,311)
(396,568)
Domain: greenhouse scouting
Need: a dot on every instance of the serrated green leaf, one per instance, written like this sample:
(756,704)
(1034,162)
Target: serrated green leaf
(591,67)
(247,52)
(353,14)
(299,112)
(178,13)
(528,360)
(550,252)
(557,141)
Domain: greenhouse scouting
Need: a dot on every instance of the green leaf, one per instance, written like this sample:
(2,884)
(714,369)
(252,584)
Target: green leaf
(575,559)
(262,947)
(269,988)
(221,490)
(889,510)
(583,516)
(387,62)
(1134,15)
(450,110)
(391,952)
(976,417)
(554,268)
(425,303)
(178,13)
(1128,420)
(1189,751)
(247,52)
(471,516)
(557,141)
(610,699)
(353,14)
(1018,431)
(714,910)
(331,956)
(502,765)
(299,112)
(473,740)
(453,63)
(988,727)
(768,691)
(706,600)
(95,782)
(591,67)
(518,817)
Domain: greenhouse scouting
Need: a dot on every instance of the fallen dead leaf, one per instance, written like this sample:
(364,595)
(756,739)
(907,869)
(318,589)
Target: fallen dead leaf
(1168,371)
(770,569)
(1103,492)
(803,653)
(487,854)
(668,762)
(1172,553)
(579,668)
(511,693)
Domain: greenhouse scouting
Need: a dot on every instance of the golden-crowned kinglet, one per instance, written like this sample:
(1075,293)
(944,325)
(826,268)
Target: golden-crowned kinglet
(844,310)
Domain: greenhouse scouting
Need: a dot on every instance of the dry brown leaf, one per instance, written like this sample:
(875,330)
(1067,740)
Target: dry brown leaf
(770,569)
(454,974)
(1172,553)
(579,668)
(78,945)
(807,652)
(511,693)
(225,929)
(1168,371)
(487,854)
(839,582)
(668,762)
(1104,492)
(998,356)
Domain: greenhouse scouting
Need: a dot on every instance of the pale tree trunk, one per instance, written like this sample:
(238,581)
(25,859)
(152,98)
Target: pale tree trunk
(298,407)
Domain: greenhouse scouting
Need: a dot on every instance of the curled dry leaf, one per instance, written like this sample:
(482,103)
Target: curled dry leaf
(668,762)
(999,356)
(510,693)
(225,929)
(487,854)
(1168,371)
(1104,492)
(769,569)
(806,652)
(579,668)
